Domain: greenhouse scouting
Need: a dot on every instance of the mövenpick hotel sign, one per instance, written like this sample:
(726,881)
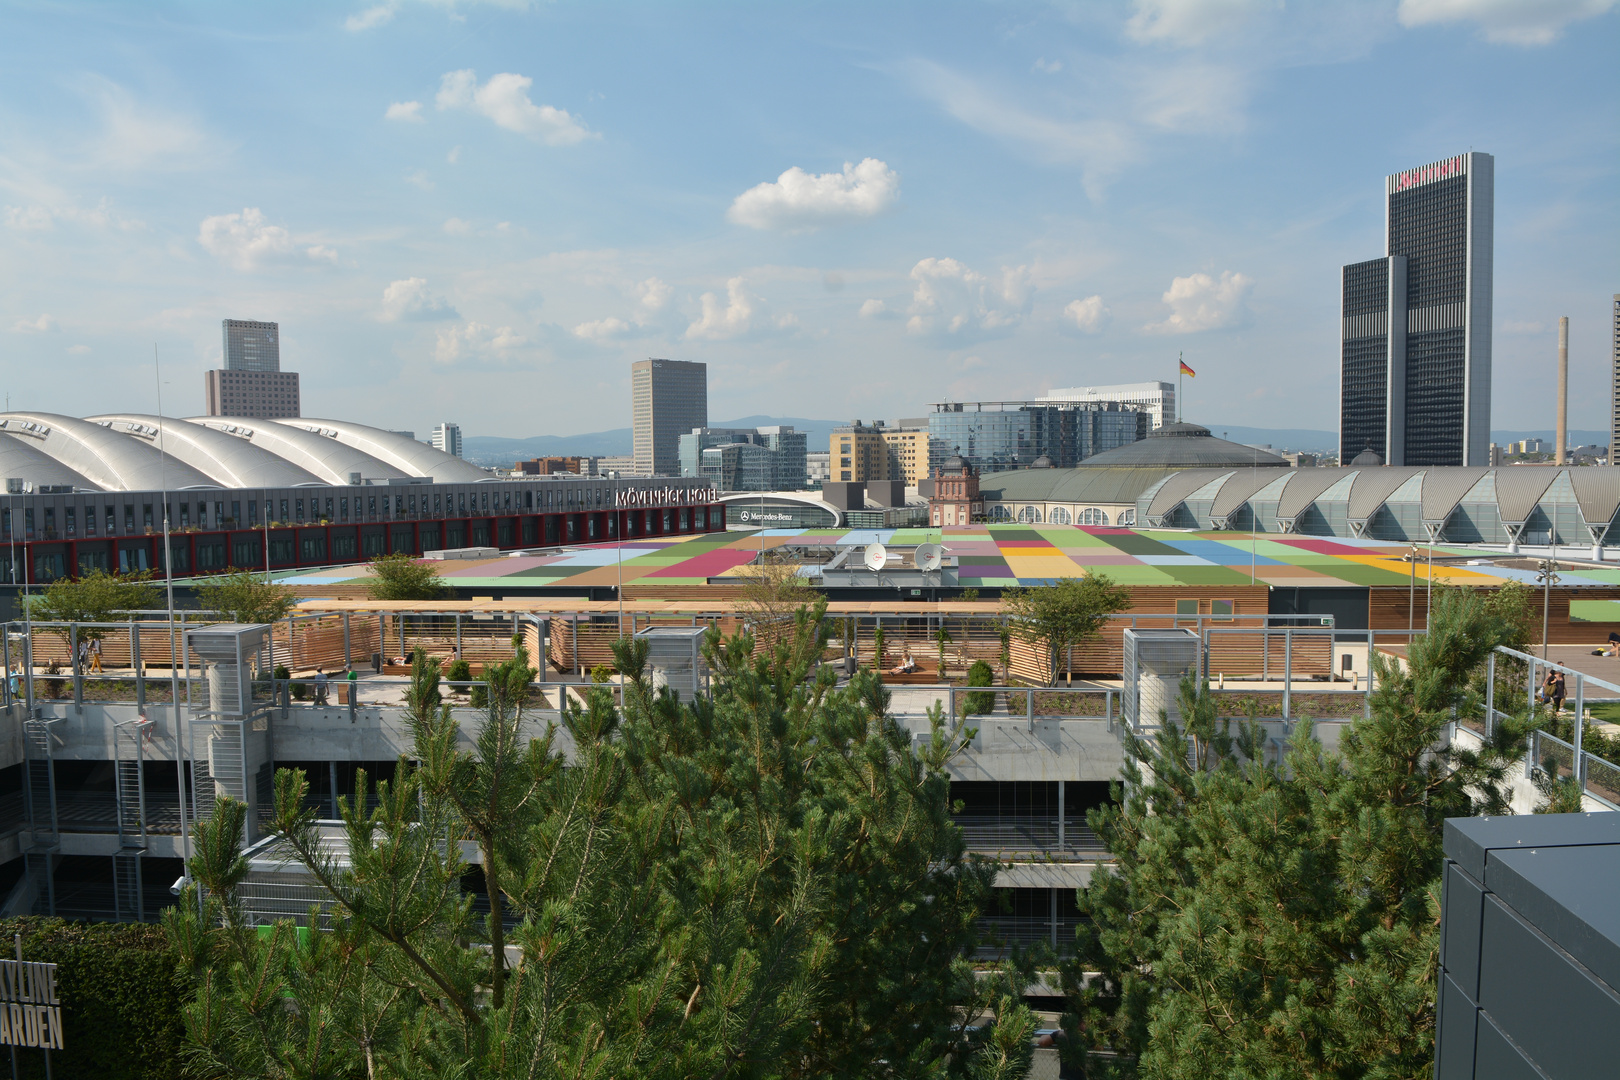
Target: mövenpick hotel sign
(30,1010)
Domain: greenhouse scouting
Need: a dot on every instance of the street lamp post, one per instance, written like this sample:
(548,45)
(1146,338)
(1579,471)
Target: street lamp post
(1411,594)
(1546,575)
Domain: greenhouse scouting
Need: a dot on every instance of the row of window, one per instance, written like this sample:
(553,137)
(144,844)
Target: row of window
(216,553)
(297,511)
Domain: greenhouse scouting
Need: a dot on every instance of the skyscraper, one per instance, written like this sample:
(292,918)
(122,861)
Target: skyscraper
(251,346)
(668,398)
(447,437)
(251,383)
(1415,325)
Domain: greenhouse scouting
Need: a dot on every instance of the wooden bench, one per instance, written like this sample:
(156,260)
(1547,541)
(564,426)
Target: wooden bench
(912,678)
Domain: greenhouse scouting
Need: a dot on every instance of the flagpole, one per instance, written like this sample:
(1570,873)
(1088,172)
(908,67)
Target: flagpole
(1180,412)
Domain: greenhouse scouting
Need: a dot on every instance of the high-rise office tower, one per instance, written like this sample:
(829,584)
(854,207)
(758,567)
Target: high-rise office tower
(251,383)
(251,346)
(447,437)
(668,398)
(1415,325)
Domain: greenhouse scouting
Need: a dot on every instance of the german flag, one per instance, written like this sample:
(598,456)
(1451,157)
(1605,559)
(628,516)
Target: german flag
(1185,370)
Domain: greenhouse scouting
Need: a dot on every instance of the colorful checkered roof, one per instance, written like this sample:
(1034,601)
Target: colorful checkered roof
(998,556)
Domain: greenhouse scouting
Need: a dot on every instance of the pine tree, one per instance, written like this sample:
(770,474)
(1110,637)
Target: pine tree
(766,883)
(1271,918)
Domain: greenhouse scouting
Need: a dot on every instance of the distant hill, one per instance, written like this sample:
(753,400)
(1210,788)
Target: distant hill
(496,450)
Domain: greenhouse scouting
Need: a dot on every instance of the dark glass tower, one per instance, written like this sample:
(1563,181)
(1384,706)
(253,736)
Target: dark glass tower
(1415,326)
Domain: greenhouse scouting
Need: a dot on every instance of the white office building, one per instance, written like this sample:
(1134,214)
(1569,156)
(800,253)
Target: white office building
(447,438)
(1157,398)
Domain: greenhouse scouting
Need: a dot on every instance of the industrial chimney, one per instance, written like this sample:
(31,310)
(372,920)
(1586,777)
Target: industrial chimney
(1563,388)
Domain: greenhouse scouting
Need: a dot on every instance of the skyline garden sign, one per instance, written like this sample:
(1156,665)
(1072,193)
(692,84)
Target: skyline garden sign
(30,1009)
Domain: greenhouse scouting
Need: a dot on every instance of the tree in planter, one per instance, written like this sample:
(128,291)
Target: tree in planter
(1268,919)
(403,577)
(980,674)
(772,594)
(1058,617)
(942,638)
(246,597)
(878,662)
(764,884)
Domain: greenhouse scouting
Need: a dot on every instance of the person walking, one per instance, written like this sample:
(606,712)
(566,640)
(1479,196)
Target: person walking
(1557,695)
(320,686)
(95,655)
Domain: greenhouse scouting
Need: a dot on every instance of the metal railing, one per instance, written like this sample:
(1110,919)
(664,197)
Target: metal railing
(1030,834)
(1598,778)
(998,931)
(1034,703)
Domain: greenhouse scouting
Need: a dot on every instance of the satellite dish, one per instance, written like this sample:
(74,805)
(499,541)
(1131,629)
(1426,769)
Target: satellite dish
(876,556)
(929,556)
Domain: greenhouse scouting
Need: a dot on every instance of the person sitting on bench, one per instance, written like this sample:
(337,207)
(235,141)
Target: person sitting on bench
(907,664)
(1612,648)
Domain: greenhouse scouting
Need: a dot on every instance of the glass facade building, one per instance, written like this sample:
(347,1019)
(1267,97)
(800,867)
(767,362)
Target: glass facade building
(1415,326)
(746,459)
(995,436)
(668,398)
(251,346)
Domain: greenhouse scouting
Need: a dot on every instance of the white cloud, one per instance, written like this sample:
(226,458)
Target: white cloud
(716,322)
(475,341)
(457,227)
(410,300)
(454,155)
(1050,67)
(45,324)
(44,218)
(801,200)
(654,295)
(1102,145)
(408,112)
(246,240)
(874,309)
(1088,315)
(418,178)
(78,350)
(28,218)
(602,329)
(1191,22)
(137,136)
(371,18)
(951,298)
(505,100)
(1200,302)
(1505,22)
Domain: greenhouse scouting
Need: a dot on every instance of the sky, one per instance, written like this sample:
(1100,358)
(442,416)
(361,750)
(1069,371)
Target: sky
(483,212)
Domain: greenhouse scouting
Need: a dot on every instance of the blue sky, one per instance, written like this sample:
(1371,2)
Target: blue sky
(483,212)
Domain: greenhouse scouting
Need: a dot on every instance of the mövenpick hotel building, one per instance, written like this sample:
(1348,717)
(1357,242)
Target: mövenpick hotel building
(1415,325)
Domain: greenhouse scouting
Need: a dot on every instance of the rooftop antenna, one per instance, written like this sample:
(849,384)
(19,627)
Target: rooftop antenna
(174,663)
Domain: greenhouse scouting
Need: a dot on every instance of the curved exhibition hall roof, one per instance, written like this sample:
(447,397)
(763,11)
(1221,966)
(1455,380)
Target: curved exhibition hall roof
(120,452)
(230,459)
(109,460)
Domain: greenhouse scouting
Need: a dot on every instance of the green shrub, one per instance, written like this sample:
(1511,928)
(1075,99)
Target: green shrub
(601,674)
(121,999)
(281,672)
(479,697)
(980,674)
(460,671)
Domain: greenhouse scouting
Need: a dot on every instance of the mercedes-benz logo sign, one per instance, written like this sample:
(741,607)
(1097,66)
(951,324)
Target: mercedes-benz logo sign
(745,515)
